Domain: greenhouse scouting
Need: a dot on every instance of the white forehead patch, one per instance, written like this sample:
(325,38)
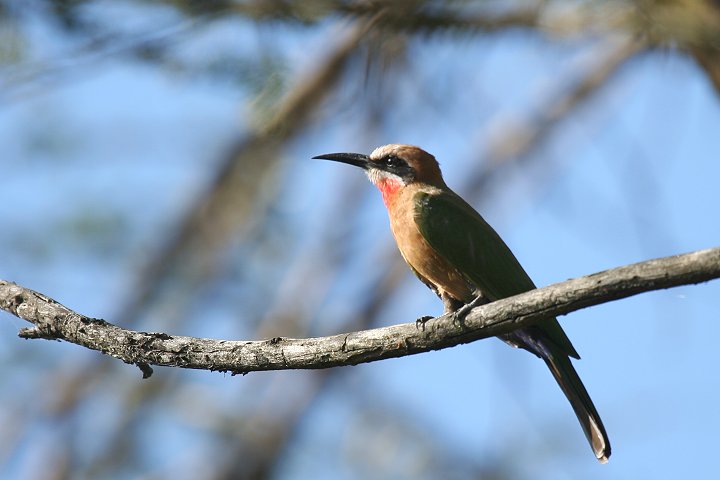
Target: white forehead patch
(380,152)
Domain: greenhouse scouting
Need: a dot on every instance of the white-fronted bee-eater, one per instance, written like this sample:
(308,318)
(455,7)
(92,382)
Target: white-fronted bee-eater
(454,251)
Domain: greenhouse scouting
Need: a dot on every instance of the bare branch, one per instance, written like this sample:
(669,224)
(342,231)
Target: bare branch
(55,321)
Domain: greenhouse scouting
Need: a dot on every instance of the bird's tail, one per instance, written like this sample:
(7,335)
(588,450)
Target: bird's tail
(574,390)
(571,385)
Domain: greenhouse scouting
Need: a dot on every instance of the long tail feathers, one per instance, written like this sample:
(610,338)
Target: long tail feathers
(574,390)
(536,341)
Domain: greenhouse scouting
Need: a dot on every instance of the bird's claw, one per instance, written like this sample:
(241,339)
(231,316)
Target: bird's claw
(462,312)
(420,322)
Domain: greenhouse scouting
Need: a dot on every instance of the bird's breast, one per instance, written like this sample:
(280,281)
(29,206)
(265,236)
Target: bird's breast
(420,255)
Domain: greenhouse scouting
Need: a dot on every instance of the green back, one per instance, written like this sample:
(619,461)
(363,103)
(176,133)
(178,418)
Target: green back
(456,231)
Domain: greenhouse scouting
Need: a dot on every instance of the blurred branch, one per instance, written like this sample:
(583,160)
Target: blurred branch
(233,195)
(692,26)
(56,322)
(437,20)
(517,142)
(709,60)
(232,206)
(31,77)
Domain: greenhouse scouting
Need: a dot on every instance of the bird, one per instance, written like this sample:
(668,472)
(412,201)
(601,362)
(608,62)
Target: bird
(452,249)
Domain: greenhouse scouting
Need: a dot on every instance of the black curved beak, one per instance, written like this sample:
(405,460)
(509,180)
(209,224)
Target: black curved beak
(357,159)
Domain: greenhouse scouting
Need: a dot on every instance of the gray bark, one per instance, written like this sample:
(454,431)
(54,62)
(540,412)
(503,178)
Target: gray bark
(54,321)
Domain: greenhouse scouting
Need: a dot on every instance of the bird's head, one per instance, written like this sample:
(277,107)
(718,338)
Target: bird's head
(393,167)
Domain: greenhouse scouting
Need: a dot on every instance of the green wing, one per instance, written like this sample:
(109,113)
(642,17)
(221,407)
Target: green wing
(456,231)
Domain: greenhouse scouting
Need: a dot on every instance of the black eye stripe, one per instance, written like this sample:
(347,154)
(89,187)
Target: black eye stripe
(397,166)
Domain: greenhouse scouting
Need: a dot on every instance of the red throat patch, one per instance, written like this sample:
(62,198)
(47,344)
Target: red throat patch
(389,189)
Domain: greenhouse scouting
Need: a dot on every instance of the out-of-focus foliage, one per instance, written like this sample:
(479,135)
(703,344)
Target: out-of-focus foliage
(155,174)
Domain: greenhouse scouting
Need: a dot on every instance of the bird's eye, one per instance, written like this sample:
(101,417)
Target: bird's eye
(393,161)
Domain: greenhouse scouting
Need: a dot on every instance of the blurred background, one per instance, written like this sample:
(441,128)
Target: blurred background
(156,172)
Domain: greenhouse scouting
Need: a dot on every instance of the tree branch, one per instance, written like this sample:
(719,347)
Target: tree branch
(55,321)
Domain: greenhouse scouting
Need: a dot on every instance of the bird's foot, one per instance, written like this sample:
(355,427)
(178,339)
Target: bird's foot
(462,312)
(420,322)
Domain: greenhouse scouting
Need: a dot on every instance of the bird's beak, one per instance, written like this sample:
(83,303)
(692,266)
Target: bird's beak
(357,159)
